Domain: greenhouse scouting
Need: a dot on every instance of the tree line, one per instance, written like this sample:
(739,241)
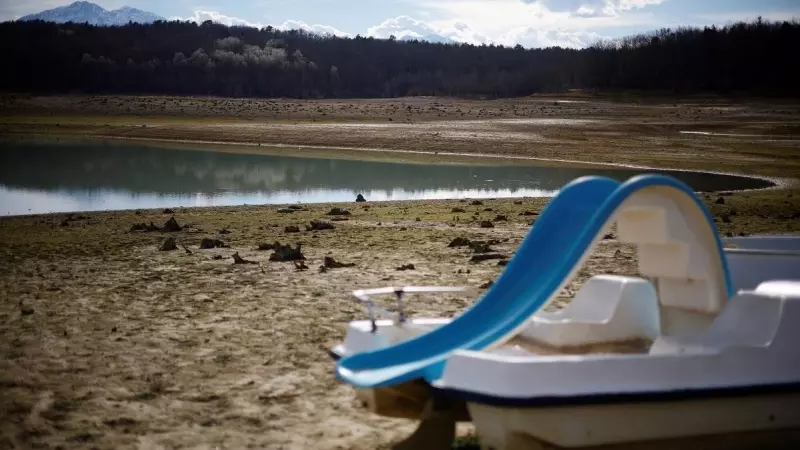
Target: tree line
(186,58)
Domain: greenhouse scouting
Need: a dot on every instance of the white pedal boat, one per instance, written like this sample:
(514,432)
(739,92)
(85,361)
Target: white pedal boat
(630,360)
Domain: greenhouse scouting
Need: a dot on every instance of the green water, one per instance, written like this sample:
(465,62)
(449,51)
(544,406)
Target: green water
(71,175)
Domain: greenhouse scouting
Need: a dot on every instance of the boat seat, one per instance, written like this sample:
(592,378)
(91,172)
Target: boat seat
(608,308)
(751,319)
(675,250)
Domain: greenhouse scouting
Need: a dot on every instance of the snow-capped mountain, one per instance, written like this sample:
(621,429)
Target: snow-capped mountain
(81,12)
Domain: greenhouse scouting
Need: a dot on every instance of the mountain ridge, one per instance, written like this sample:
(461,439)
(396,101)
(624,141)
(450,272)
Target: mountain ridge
(87,12)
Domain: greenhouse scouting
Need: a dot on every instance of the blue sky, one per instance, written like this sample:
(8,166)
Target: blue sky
(532,23)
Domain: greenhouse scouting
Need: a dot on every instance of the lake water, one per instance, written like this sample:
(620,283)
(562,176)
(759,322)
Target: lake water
(41,176)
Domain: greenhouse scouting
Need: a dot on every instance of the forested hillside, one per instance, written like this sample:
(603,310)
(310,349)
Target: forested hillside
(757,58)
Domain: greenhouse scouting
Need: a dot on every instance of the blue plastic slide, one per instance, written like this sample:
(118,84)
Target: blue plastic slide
(563,233)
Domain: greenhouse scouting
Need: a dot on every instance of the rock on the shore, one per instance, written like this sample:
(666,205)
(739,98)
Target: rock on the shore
(459,242)
(208,243)
(481,247)
(330,263)
(338,212)
(319,225)
(286,253)
(171,225)
(239,260)
(144,227)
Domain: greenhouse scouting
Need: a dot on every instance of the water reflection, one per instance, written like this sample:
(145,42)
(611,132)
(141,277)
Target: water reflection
(49,176)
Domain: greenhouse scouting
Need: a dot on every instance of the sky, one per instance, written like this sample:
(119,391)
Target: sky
(530,23)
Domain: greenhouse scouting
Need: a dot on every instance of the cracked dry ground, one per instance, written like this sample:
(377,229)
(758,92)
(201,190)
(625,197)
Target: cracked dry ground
(109,343)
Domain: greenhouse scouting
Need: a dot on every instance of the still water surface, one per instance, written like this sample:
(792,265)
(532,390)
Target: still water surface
(41,176)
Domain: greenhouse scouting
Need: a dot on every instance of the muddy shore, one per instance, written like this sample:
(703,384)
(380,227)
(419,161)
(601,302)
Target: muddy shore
(108,342)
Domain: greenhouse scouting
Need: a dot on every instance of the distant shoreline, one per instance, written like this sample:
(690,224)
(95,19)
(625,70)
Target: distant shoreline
(731,140)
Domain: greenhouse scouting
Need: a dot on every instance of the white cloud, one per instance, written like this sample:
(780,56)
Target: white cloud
(537,38)
(318,29)
(625,5)
(448,31)
(400,27)
(595,8)
(585,11)
(201,16)
(531,24)
(497,17)
(404,27)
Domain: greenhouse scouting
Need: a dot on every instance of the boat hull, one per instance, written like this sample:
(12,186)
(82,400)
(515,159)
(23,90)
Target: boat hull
(509,428)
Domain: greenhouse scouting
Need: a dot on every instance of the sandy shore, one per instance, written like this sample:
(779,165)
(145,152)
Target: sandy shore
(109,343)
